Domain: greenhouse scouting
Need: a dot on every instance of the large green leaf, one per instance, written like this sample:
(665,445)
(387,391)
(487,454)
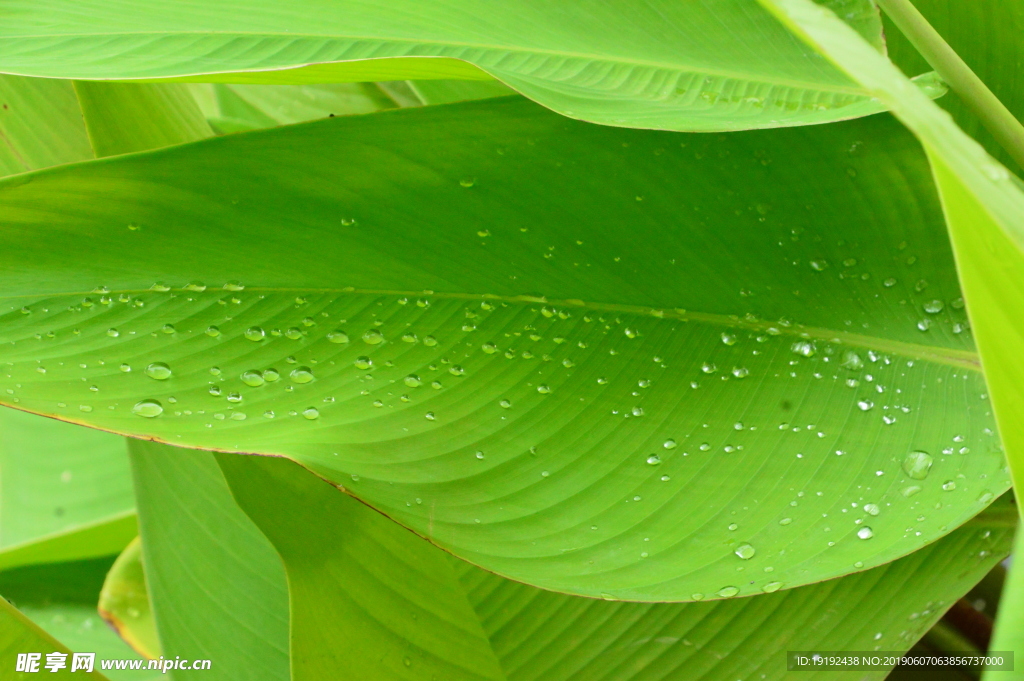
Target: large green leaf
(984,209)
(217,588)
(65,492)
(61,599)
(371,598)
(720,65)
(604,406)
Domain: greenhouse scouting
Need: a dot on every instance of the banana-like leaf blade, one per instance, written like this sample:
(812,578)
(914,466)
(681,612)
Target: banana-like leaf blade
(681,66)
(719,365)
(349,568)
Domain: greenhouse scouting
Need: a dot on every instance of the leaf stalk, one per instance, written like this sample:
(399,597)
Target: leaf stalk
(994,115)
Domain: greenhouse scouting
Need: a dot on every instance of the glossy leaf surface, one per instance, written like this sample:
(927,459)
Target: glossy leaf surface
(378,598)
(720,65)
(705,334)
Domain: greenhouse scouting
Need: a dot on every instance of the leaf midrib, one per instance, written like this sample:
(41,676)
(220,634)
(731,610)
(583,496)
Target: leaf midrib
(851,90)
(963,359)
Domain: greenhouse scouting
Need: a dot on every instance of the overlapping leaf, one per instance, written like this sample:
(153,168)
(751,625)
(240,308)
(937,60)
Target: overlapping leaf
(745,339)
(371,598)
(65,492)
(694,66)
(61,599)
(217,588)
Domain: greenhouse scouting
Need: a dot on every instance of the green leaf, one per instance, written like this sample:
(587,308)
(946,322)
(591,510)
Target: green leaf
(447,91)
(365,595)
(124,602)
(679,66)
(649,420)
(234,108)
(40,125)
(61,598)
(126,117)
(65,492)
(217,588)
(18,634)
(369,597)
(1009,628)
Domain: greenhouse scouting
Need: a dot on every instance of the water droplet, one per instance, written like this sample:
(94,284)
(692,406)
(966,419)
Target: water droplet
(456,370)
(785,521)
(708,368)
(910,490)
(771,587)
(271,375)
(255,333)
(704,446)
(804,348)
(669,444)
(728,591)
(159,371)
(294,333)
(363,362)
(148,408)
(740,372)
(865,405)
(852,361)
(429,341)
(949,485)
(214,390)
(728,338)
(301,375)
(865,533)
(733,527)
(489,348)
(430,416)
(125,367)
(311,413)
(871,509)
(373,337)
(195,286)
(212,331)
(819,265)
(413,381)
(933,306)
(654,459)
(544,389)
(505,404)
(234,398)
(253,378)
(631,333)
(234,285)
(113,333)
(916,464)
(745,551)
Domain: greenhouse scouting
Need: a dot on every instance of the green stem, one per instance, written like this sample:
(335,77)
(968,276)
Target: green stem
(996,118)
